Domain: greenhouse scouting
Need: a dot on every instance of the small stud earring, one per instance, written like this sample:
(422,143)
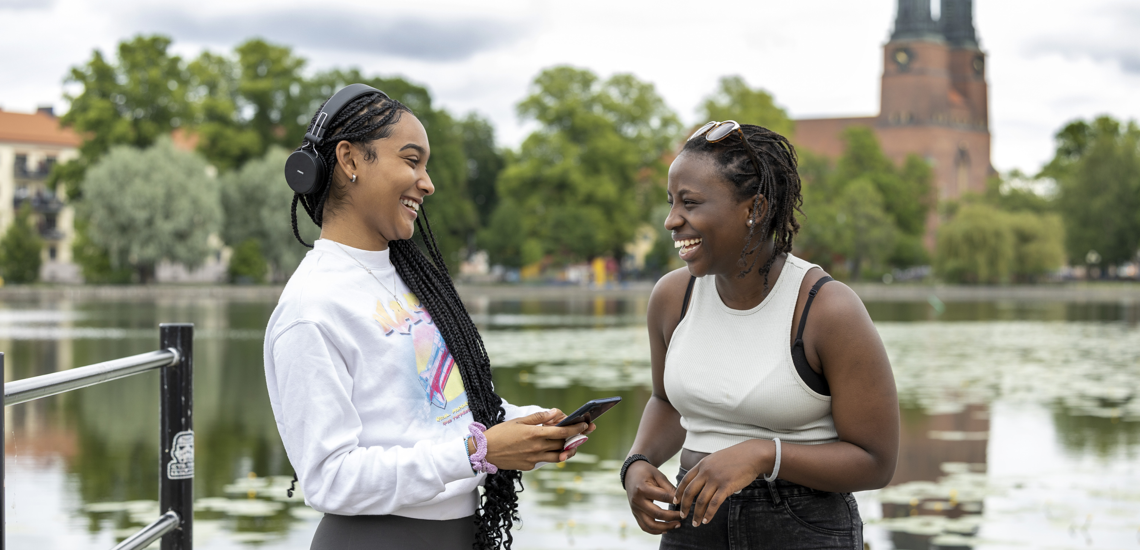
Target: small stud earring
(353,180)
(750,223)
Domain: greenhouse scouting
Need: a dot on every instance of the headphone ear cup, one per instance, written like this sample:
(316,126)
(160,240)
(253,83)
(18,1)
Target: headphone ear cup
(304,171)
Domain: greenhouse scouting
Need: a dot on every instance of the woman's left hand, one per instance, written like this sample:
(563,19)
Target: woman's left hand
(717,476)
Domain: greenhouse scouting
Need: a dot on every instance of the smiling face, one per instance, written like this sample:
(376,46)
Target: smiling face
(709,223)
(383,203)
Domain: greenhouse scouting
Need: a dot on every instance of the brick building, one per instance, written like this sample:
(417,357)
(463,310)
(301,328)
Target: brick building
(30,144)
(933,102)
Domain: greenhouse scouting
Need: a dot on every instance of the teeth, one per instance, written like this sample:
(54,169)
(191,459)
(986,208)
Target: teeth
(686,243)
(410,204)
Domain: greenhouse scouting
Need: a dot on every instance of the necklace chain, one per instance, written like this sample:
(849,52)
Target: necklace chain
(393,293)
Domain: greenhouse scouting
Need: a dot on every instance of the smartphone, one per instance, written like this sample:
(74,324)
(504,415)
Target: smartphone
(590,411)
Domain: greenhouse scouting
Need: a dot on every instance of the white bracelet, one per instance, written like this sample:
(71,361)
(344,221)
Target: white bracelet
(776,468)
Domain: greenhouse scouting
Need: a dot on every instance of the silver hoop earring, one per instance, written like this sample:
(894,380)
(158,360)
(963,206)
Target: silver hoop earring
(353,180)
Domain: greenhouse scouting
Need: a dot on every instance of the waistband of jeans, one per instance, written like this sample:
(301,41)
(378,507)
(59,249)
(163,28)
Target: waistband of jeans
(762,489)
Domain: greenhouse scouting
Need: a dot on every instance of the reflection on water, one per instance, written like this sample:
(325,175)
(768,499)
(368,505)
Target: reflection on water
(1020,424)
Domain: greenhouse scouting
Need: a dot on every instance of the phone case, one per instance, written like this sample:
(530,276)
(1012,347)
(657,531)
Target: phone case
(573,442)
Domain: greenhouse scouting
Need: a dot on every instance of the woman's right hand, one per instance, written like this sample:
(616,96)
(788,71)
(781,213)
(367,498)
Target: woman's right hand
(644,484)
(521,443)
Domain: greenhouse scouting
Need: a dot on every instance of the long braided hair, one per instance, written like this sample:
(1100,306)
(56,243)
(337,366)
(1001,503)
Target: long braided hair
(366,119)
(777,184)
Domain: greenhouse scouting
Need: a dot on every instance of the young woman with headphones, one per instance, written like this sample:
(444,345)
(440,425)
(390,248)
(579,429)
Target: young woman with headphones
(378,379)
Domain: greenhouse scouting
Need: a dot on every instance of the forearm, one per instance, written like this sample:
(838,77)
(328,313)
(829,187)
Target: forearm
(375,480)
(659,435)
(839,467)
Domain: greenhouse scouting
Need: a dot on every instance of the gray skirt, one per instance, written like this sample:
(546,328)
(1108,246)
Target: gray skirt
(393,533)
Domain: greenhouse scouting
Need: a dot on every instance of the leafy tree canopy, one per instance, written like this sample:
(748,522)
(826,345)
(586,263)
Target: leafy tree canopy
(581,184)
(735,100)
(902,199)
(20,249)
(986,245)
(145,206)
(129,100)
(256,201)
(1097,169)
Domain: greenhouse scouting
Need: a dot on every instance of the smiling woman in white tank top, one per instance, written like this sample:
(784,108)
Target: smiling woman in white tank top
(768,377)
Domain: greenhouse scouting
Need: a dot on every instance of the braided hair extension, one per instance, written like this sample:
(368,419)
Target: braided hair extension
(776,185)
(366,119)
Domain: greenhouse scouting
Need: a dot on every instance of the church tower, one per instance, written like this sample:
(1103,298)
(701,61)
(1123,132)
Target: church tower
(934,94)
(933,103)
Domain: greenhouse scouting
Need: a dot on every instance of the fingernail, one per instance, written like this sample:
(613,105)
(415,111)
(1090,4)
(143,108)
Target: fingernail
(674,500)
(695,524)
(706,520)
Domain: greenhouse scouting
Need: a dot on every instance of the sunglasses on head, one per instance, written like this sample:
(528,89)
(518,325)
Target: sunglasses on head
(715,131)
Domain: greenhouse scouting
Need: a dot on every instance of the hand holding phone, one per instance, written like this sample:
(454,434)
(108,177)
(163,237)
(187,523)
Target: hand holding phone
(587,413)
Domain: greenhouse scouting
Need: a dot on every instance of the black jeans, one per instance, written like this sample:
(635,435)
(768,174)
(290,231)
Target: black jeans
(778,515)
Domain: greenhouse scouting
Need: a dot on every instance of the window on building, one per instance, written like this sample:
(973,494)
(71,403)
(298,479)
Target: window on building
(51,253)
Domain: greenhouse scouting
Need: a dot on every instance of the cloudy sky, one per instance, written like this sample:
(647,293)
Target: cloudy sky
(1050,61)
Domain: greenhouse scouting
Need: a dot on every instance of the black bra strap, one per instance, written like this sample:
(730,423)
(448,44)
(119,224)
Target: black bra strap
(807,306)
(688,294)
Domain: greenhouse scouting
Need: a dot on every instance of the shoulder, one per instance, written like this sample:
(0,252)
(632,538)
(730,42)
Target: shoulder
(834,303)
(667,297)
(314,294)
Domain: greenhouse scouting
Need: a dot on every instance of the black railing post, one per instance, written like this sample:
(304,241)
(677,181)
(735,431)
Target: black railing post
(176,435)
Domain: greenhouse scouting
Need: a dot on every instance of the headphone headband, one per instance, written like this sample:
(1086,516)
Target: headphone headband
(342,97)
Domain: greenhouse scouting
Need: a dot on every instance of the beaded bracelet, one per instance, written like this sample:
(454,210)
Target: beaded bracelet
(628,462)
(479,459)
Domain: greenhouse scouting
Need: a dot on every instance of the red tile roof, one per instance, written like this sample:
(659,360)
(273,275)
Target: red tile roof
(35,128)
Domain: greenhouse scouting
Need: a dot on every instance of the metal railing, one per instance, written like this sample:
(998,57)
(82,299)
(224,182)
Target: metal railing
(175,359)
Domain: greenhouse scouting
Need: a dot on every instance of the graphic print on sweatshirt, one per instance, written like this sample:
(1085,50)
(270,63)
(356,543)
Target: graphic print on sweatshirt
(435,367)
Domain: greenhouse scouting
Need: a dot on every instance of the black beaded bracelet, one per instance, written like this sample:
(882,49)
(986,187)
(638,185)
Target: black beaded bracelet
(628,461)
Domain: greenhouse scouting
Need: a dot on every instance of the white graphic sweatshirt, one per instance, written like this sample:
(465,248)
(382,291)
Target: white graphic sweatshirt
(368,399)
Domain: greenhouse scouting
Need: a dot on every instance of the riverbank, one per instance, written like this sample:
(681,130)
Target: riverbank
(1111,292)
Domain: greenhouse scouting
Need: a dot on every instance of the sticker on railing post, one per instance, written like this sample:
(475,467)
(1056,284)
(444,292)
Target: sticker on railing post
(181,464)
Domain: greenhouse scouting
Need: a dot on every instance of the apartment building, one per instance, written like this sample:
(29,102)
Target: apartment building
(30,144)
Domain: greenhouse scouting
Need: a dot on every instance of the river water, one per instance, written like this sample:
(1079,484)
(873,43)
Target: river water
(1020,424)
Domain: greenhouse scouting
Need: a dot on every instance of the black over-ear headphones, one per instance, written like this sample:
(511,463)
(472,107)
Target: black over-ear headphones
(304,169)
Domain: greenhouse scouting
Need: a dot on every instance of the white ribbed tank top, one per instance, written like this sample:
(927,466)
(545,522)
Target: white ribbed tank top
(730,374)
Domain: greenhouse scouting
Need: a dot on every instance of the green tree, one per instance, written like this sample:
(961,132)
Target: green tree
(247,264)
(976,246)
(149,205)
(224,138)
(256,201)
(580,185)
(904,194)
(271,86)
(93,260)
(132,100)
(735,100)
(484,163)
(1038,244)
(864,231)
(20,249)
(1097,169)
(1005,193)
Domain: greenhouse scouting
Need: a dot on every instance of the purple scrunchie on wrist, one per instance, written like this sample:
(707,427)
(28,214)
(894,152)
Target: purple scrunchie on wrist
(479,459)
